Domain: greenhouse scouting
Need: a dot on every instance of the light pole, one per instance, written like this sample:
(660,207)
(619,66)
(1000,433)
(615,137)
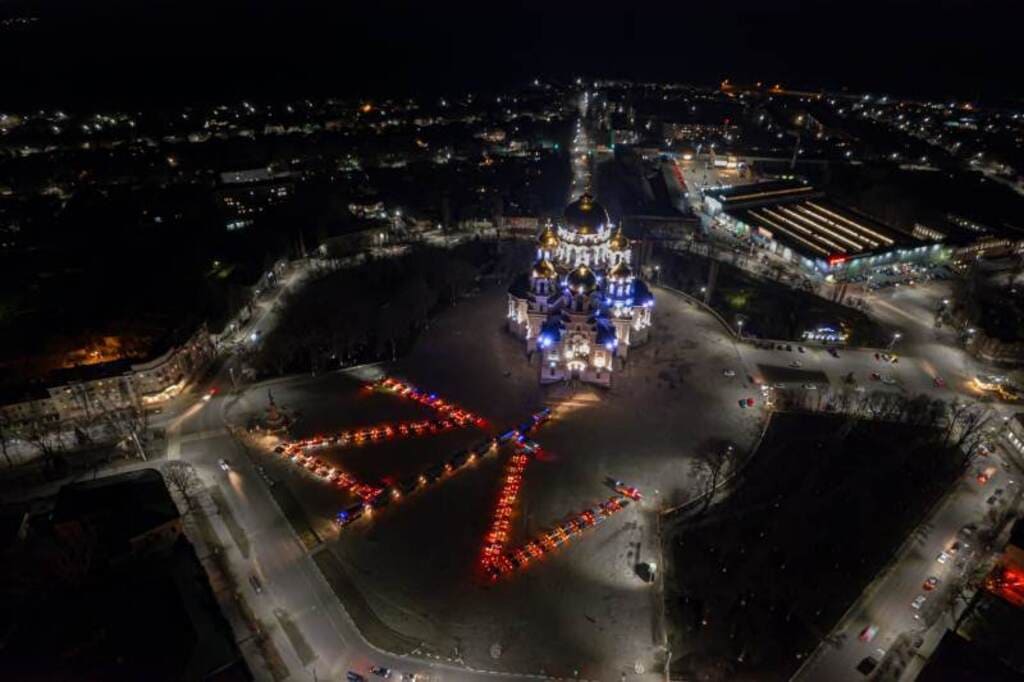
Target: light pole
(895,337)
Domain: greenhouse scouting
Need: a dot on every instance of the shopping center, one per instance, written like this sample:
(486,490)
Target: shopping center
(799,223)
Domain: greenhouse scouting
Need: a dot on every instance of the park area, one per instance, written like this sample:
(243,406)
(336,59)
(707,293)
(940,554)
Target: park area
(825,500)
(769,309)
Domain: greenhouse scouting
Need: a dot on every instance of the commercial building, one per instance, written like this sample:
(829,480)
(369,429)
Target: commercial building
(244,194)
(1014,434)
(969,238)
(798,223)
(581,307)
(122,517)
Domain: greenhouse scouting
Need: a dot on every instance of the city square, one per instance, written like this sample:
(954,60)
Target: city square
(595,435)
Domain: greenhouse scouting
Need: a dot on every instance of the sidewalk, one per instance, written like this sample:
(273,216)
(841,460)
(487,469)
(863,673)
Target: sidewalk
(267,652)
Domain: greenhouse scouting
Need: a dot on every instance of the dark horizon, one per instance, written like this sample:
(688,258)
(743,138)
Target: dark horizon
(160,52)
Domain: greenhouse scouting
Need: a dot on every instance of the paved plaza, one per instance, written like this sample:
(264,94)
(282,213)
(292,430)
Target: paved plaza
(581,610)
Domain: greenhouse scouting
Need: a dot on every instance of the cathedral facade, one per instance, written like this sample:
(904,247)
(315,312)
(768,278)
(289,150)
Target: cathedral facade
(580,308)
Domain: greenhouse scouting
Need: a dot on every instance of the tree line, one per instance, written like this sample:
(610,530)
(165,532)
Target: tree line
(375,311)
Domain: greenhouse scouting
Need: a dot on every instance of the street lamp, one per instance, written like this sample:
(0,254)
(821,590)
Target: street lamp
(895,337)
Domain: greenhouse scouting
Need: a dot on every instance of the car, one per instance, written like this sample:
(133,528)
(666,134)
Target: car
(380,671)
(796,364)
(833,352)
(875,376)
(992,499)
(888,380)
(939,382)
(629,491)
(969,529)
(224,464)
(867,665)
(209,394)
(353,676)
(257,586)
(868,633)
(409,677)
(918,602)
(800,348)
(931,583)
(943,557)
(810,387)
(789,348)
(347,516)
(998,492)
(985,474)
(728,373)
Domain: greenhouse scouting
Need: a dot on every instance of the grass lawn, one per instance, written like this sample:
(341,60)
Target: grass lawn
(769,309)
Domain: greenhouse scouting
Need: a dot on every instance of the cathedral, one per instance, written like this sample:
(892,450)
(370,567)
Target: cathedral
(580,308)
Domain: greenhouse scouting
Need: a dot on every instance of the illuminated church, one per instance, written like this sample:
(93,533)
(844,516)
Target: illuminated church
(580,308)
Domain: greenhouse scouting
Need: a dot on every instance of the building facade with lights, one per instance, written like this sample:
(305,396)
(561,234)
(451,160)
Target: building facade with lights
(800,224)
(580,308)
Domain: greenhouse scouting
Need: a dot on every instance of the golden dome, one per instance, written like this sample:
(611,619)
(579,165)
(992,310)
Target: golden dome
(582,279)
(618,242)
(620,271)
(544,269)
(548,239)
(585,215)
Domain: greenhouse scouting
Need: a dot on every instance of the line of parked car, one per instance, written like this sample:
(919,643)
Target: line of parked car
(383,496)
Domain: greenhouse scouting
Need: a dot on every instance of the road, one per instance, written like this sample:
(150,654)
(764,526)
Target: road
(292,584)
(581,153)
(886,603)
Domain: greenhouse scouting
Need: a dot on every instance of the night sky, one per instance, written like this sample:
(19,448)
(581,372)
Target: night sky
(157,50)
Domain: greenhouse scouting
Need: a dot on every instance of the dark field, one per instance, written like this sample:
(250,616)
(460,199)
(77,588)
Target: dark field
(819,510)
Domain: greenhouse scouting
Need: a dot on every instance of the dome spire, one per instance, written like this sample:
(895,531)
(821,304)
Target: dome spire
(548,240)
(618,242)
(585,215)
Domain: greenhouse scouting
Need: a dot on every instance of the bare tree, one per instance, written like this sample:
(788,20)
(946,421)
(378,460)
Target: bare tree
(713,463)
(956,411)
(960,595)
(181,477)
(48,442)
(7,434)
(127,422)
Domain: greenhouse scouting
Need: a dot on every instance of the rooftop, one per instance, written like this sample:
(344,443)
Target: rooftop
(119,508)
(759,193)
(818,228)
